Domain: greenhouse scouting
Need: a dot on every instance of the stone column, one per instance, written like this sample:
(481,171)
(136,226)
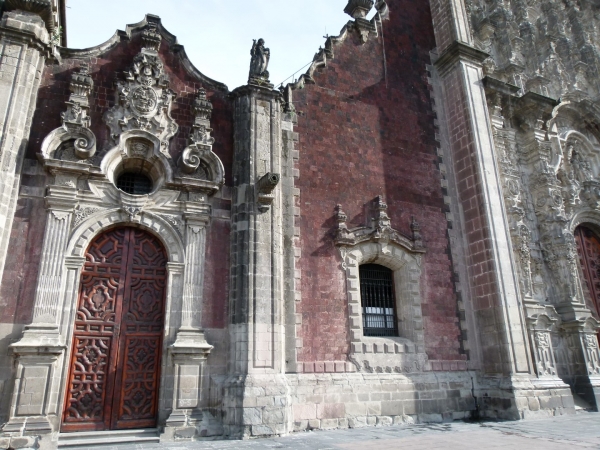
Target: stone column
(23,51)
(257,399)
(36,391)
(190,350)
(495,301)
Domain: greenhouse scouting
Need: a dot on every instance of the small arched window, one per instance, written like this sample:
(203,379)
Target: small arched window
(378,300)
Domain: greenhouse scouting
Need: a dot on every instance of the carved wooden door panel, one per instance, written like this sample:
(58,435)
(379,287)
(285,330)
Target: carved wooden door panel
(115,363)
(588,246)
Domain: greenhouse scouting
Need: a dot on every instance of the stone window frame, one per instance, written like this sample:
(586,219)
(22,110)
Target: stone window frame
(406,268)
(381,244)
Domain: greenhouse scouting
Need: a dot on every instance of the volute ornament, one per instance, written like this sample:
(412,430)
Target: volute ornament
(74,136)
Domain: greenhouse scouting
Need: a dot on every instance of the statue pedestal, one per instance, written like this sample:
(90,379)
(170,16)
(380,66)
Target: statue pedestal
(188,354)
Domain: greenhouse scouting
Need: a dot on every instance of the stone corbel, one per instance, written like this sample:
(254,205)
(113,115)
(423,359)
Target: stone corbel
(264,190)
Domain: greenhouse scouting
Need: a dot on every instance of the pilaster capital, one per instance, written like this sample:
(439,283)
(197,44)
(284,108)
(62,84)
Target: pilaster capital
(175,268)
(74,262)
(196,220)
(61,198)
(456,53)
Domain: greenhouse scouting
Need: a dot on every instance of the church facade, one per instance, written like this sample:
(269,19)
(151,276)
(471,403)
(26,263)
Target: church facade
(409,232)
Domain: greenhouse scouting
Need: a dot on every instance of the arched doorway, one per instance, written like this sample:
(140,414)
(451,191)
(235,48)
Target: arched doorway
(114,368)
(588,247)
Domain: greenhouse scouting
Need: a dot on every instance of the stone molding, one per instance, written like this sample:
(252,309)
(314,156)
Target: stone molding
(137,28)
(456,53)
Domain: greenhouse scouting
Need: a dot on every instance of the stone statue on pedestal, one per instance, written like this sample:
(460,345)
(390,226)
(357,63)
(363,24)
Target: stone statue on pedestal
(259,63)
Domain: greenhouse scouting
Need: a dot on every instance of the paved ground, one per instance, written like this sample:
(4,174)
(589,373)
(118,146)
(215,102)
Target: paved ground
(581,431)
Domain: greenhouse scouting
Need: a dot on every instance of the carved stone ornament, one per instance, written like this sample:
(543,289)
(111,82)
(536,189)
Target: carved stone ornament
(76,122)
(198,159)
(144,98)
(380,230)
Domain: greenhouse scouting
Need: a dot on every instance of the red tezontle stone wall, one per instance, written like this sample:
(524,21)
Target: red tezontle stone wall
(360,136)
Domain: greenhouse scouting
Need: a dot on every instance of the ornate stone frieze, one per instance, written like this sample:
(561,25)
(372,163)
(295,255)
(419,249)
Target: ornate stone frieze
(547,47)
(144,97)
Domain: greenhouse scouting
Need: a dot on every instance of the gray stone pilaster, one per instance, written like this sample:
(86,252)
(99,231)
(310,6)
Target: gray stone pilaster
(257,394)
(23,51)
(190,350)
(507,368)
(41,346)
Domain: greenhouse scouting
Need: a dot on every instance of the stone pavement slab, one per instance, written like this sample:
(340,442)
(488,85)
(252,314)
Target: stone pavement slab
(581,431)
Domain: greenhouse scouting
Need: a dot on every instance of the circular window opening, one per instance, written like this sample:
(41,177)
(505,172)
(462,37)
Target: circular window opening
(134,183)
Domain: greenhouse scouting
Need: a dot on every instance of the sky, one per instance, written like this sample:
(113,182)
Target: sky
(218,34)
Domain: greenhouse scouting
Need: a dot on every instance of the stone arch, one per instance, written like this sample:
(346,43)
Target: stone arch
(101,221)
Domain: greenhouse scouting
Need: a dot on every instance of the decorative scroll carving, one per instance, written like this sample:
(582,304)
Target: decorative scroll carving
(259,63)
(82,213)
(144,97)
(199,151)
(264,188)
(380,230)
(76,122)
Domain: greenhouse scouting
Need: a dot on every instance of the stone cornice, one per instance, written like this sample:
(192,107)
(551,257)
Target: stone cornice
(495,85)
(458,52)
(263,91)
(27,37)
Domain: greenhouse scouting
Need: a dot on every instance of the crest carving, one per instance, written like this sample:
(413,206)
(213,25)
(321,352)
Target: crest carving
(144,97)
(380,230)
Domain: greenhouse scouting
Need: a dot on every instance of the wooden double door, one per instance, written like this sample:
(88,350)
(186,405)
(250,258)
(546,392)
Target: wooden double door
(115,363)
(588,246)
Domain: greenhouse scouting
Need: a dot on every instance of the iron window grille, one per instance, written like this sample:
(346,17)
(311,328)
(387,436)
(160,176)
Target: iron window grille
(134,183)
(378,300)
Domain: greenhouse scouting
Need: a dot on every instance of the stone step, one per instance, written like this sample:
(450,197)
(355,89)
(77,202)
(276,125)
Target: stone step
(86,439)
